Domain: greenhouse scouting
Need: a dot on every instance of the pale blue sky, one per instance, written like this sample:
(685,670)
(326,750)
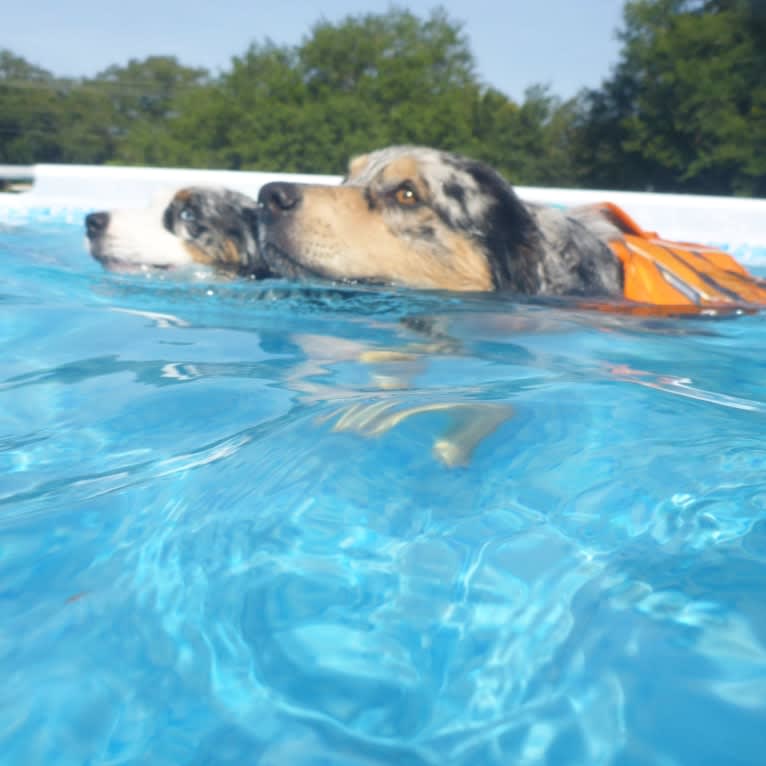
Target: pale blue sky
(564,43)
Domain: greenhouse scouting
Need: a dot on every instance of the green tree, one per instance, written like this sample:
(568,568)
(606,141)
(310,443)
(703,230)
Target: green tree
(28,111)
(268,117)
(685,109)
(531,143)
(144,95)
(378,79)
(372,80)
(44,119)
(85,130)
(350,87)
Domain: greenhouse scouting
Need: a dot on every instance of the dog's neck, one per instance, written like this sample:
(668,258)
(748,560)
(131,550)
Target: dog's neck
(253,264)
(513,242)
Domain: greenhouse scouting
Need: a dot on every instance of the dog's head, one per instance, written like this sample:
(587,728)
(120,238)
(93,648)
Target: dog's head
(196,227)
(422,218)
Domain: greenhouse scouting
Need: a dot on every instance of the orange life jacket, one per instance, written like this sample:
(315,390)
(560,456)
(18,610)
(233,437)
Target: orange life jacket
(678,274)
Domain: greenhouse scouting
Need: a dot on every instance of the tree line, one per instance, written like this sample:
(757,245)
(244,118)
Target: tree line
(683,110)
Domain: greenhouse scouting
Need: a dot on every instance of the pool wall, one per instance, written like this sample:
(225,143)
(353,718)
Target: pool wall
(68,191)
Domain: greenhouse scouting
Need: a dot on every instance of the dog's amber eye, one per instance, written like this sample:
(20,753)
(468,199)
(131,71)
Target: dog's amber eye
(406,196)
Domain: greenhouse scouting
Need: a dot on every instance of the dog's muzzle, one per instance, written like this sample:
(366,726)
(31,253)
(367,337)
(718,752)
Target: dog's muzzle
(277,204)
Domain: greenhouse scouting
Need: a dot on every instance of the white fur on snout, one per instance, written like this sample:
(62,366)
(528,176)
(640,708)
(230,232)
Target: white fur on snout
(138,237)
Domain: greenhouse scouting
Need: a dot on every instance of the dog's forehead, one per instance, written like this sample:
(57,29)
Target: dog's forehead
(460,193)
(210,200)
(367,168)
(196,195)
(437,168)
(183,195)
(176,199)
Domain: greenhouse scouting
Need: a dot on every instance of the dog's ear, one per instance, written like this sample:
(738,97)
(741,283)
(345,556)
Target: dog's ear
(511,237)
(356,165)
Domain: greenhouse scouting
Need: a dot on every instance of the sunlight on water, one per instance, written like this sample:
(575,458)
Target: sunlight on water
(246,523)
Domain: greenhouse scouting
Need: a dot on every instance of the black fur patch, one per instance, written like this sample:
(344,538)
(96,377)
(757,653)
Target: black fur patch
(167,218)
(456,191)
(510,233)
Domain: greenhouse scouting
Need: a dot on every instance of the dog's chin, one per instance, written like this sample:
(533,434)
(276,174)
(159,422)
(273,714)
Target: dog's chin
(117,265)
(283,263)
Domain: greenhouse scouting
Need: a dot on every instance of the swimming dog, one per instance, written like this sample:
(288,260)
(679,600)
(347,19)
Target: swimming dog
(196,227)
(425,218)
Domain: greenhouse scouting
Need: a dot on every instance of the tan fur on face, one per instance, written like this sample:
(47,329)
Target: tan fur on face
(197,254)
(360,233)
(401,169)
(228,253)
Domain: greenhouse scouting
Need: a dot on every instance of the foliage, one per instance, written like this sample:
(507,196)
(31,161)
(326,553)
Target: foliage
(28,112)
(683,110)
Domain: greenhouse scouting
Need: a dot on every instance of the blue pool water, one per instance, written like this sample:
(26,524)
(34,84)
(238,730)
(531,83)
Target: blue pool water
(223,541)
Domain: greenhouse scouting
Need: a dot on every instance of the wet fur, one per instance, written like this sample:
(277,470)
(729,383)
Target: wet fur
(467,230)
(196,227)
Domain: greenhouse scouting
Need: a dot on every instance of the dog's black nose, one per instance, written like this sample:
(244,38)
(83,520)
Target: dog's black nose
(96,223)
(280,196)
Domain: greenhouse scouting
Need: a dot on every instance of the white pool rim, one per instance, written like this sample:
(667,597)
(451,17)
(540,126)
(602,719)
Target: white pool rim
(69,191)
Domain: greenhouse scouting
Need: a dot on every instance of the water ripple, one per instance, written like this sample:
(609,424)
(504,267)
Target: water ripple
(230,531)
